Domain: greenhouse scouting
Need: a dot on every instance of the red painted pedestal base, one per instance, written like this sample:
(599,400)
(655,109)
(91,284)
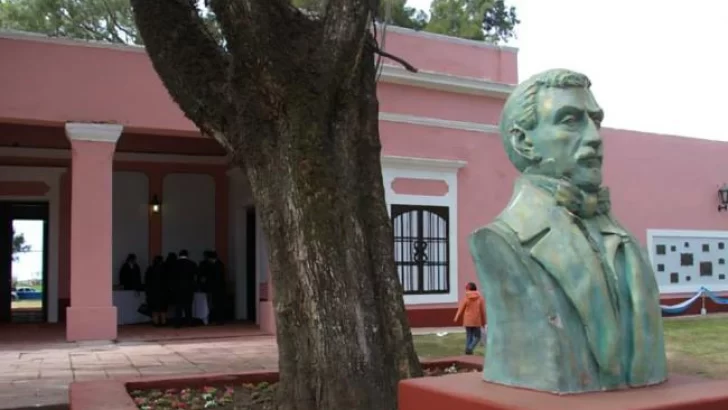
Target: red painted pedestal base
(468,391)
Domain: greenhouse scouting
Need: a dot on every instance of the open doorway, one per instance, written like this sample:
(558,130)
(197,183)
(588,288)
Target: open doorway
(23,268)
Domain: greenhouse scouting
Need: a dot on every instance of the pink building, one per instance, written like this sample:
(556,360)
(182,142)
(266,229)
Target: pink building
(90,140)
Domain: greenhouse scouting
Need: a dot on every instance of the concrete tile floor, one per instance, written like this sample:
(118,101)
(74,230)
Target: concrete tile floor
(33,376)
(36,365)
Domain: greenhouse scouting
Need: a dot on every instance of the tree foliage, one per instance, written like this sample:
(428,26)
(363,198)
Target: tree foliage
(99,20)
(112,21)
(483,20)
(19,245)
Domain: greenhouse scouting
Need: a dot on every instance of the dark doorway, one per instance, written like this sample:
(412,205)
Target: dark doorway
(24,263)
(250,268)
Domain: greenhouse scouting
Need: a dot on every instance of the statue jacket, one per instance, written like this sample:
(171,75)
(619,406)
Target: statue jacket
(573,304)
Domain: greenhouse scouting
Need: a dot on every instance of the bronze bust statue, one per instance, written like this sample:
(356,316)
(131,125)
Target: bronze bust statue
(573,305)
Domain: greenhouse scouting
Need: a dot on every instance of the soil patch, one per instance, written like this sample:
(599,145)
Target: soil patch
(259,396)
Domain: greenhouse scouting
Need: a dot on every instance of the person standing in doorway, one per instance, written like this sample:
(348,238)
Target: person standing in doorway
(157,292)
(203,275)
(472,312)
(185,280)
(216,289)
(130,275)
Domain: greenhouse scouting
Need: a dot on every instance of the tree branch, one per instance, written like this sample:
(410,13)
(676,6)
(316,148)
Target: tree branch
(188,59)
(345,24)
(247,24)
(116,25)
(372,44)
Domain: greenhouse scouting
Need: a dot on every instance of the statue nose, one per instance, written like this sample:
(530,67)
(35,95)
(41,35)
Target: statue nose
(592,136)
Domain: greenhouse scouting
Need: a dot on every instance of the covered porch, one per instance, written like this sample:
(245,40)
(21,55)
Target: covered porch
(110,193)
(95,143)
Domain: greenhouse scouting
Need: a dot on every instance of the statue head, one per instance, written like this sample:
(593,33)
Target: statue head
(550,126)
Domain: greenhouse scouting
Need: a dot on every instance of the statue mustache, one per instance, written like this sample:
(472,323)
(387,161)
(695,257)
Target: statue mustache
(551,167)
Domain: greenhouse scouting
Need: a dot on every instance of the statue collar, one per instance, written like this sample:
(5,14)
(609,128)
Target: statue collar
(573,199)
(534,209)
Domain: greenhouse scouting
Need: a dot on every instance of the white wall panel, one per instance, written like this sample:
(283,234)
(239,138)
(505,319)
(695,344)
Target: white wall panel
(130,219)
(188,214)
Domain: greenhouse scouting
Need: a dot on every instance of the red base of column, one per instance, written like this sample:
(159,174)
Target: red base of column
(267,317)
(90,323)
(468,391)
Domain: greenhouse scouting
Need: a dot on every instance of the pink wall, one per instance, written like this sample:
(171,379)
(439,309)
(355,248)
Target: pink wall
(656,181)
(665,182)
(401,99)
(51,81)
(432,52)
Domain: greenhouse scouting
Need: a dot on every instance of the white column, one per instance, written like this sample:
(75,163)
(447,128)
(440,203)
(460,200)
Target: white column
(92,315)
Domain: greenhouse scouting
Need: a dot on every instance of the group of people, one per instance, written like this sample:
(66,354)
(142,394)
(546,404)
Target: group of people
(174,281)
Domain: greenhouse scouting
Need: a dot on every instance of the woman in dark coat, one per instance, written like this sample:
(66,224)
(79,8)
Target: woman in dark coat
(157,293)
(168,269)
(130,275)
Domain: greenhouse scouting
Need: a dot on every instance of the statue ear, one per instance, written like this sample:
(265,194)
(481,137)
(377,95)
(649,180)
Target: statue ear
(523,145)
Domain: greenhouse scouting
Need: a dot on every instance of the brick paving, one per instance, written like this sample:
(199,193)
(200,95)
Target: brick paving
(37,365)
(39,374)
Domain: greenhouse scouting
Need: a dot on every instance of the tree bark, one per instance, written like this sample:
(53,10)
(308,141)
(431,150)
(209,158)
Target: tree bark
(302,121)
(343,335)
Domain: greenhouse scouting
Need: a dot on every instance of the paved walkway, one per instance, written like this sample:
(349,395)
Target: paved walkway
(39,376)
(38,373)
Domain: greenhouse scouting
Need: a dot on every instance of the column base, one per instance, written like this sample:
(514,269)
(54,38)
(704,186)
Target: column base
(91,323)
(266,317)
(468,391)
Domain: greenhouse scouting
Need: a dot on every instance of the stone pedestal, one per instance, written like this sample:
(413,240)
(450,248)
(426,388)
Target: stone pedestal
(468,391)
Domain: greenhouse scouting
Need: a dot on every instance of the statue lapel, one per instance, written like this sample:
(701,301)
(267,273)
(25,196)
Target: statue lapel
(647,363)
(549,234)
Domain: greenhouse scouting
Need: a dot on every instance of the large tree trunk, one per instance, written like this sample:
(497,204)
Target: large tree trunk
(305,129)
(343,336)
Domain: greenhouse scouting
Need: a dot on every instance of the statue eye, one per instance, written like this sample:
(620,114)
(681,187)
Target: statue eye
(569,120)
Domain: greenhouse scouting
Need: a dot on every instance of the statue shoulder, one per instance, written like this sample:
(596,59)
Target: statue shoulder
(496,235)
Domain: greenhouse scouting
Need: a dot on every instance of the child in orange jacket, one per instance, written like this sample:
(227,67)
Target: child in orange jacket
(472,311)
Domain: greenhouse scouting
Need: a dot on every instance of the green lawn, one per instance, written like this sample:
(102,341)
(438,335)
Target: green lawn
(697,346)
(26,304)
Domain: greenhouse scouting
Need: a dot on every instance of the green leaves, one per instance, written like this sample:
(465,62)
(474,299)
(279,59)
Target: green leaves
(111,20)
(100,20)
(483,20)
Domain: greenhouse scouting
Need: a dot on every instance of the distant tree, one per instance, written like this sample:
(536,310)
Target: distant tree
(484,20)
(19,245)
(99,20)
(112,21)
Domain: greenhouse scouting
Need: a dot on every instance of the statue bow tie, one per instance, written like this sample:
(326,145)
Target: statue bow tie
(581,203)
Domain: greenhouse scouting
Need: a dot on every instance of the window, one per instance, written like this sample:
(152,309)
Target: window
(422,248)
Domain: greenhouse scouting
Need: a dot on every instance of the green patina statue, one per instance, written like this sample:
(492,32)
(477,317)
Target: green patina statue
(572,303)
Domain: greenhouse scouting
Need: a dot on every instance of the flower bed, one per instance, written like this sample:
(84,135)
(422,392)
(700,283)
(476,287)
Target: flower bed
(252,391)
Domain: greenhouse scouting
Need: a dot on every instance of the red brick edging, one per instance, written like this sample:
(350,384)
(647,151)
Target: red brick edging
(114,394)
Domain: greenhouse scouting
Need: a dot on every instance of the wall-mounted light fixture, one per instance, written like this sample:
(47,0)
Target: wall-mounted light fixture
(723,198)
(155,205)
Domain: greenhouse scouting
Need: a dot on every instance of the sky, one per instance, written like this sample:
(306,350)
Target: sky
(29,264)
(655,67)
